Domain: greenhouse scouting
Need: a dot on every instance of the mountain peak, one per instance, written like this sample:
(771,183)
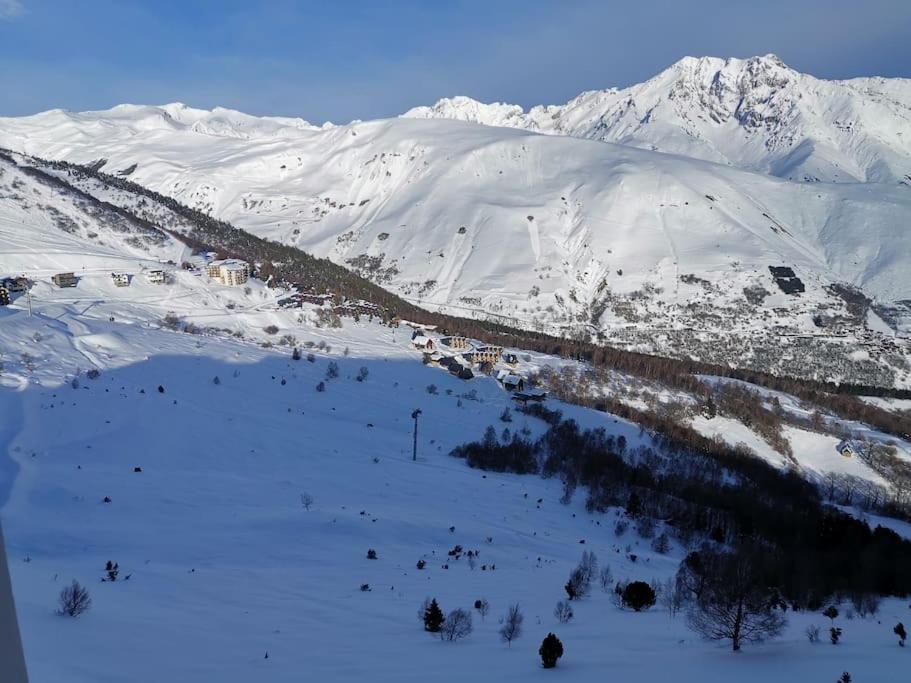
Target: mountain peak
(756,113)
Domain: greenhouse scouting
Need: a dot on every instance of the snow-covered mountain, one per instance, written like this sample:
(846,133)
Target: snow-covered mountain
(757,114)
(659,252)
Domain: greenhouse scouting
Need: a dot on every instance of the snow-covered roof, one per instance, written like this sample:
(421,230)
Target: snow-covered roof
(231,264)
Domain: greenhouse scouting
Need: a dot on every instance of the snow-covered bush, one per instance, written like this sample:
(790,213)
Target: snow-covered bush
(563,611)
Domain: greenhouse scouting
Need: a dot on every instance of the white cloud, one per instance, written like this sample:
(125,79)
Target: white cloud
(10,9)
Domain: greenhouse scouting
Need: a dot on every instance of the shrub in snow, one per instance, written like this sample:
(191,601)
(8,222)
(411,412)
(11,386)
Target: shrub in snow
(506,415)
(620,527)
(551,650)
(112,569)
(844,678)
(606,578)
(75,383)
(899,630)
(831,613)
(321,386)
(73,600)
(812,633)
(457,625)
(483,607)
(311,358)
(563,611)
(580,579)
(865,604)
(512,624)
(835,635)
(431,615)
(362,374)
(421,564)
(216,380)
(332,370)
(365,587)
(661,544)
(160,389)
(306,500)
(296,354)
(645,527)
(638,595)
(94,373)
(371,554)
(432,389)
(270,329)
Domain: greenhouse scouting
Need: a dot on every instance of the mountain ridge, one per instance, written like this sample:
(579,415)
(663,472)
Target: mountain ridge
(755,113)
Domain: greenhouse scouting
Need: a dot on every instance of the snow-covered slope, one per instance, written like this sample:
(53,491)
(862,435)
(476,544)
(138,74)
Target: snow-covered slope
(558,233)
(757,114)
(231,577)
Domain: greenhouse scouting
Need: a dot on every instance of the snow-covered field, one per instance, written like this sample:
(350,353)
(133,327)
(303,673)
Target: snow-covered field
(226,564)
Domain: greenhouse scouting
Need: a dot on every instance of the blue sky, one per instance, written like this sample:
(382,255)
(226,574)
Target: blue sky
(340,60)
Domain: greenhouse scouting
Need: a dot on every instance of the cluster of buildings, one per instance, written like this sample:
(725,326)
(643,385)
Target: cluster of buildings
(460,356)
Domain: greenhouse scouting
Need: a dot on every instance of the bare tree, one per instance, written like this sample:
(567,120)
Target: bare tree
(306,500)
(563,611)
(74,600)
(512,624)
(672,596)
(457,625)
(732,603)
(606,578)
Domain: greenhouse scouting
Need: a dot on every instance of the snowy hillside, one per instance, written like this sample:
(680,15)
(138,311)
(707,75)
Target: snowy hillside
(757,114)
(545,232)
(239,502)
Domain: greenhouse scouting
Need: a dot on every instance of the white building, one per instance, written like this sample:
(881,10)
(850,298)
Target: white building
(156,277)
(231,272)
(121,279)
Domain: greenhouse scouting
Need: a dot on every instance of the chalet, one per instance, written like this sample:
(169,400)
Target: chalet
(230,272)
(524,397)
(289,302)
(156,277)
(510,358)
(121,279)
(460,371)
(432,358)
(4,296)
(422,342)
(848,448)
(488,354)
(16,284)
(512,382)
(457,342)
(65,280)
